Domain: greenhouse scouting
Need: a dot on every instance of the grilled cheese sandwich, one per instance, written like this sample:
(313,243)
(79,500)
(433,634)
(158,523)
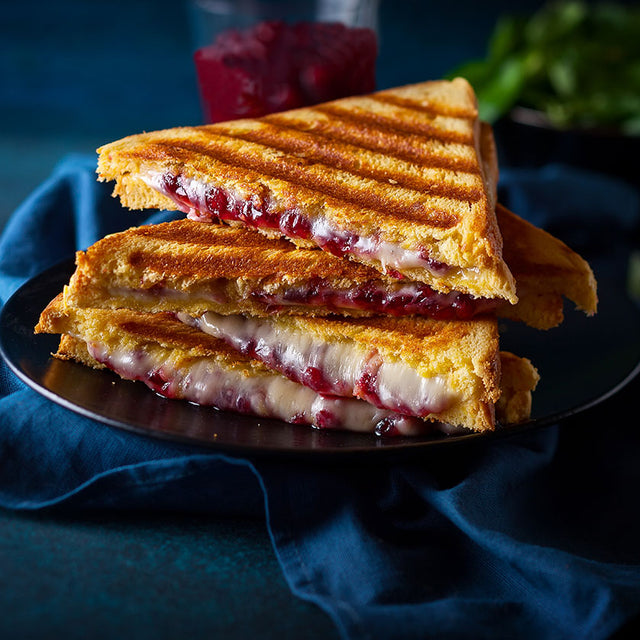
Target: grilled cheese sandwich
(341,176)
(355,283)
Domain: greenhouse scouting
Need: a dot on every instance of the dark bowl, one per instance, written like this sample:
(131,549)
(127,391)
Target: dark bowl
(526,139)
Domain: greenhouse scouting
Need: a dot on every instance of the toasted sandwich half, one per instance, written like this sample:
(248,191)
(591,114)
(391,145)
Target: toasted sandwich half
(413,366)
(402,180)
(193,267)
(374,375)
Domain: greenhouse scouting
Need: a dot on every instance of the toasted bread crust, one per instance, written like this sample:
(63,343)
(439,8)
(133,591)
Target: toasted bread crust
(546,270)
(132,330)
(71,348)
(519,379)
(321,161)
(465,351)
(194,267)
(185,250)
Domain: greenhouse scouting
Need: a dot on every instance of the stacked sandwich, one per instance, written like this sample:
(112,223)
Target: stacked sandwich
(342,266)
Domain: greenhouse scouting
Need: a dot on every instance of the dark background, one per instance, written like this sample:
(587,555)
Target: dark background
(76,74)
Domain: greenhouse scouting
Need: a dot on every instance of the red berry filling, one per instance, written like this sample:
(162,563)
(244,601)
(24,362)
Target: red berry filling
(210,203)
(174,384)
(414,298)
(213,203)
(207,204)
(275,66)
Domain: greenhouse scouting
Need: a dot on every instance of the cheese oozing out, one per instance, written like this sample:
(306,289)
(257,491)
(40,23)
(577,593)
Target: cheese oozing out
(268,395)
(204,202)
(336,368)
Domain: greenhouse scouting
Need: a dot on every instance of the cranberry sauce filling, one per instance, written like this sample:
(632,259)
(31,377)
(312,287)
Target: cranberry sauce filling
(310,376)
(210,203)
(207,203)
(435,266)
(326,420)
(136,365)
(401,300)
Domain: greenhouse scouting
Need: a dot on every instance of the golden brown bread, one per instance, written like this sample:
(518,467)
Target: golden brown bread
(397,177)
(546,270)
(193,267)
(130,330)
(466,353)
(217,267)
(180,362)
(519,377)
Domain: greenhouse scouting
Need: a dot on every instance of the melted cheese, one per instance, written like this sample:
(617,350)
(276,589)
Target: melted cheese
(206,382)
(348,368)
(402,387)
(388,254)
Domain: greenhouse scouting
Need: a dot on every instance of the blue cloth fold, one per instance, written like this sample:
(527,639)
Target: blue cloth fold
(533,536)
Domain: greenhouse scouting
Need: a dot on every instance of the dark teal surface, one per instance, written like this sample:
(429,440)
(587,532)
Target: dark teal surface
(152,575)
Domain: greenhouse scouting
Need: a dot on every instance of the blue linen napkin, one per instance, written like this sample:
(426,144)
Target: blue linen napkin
(533,536)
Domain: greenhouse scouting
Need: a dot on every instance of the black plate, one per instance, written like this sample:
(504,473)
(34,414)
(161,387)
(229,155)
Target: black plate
(581,363)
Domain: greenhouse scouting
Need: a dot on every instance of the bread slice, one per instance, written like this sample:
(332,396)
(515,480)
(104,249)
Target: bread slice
(414,366)
(394,180)
(193,267)
(546,271)
(460,360)
(518,379)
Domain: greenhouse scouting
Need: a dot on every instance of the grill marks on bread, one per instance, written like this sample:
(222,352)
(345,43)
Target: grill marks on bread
(366,165)
(167,332)
(339,125)
(432,110)
(373,112)
(408,192)
(185,248)
(356,160)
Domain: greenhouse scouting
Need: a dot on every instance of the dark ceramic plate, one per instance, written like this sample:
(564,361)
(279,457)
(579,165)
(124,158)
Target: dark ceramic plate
(581,363)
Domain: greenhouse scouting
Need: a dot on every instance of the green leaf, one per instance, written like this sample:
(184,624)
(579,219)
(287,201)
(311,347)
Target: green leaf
(563,77)
(576,61)
(499,95)
(505,38)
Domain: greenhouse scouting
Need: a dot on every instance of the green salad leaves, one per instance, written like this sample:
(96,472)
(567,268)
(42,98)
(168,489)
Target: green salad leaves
(578,64)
